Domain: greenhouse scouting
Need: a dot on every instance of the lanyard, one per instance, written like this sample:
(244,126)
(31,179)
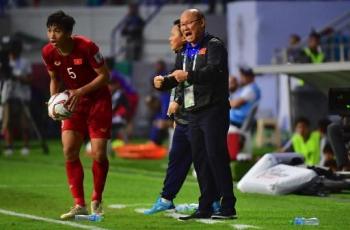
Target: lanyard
(185,61)
(193,66)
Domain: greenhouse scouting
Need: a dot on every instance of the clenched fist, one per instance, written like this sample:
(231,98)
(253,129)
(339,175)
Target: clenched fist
(158,81)
(180,75)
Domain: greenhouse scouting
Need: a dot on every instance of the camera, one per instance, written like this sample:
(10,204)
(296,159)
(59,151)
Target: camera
(8,45)
(339,101)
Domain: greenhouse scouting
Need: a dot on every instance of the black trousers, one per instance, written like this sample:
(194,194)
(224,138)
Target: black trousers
(208,129)
(180,160)
(336,137)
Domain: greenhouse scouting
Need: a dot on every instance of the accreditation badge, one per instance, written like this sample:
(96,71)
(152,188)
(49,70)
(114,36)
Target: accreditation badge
(188,97)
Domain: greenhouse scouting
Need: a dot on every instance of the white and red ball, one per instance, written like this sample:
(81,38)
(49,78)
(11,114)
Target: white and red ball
(57,107)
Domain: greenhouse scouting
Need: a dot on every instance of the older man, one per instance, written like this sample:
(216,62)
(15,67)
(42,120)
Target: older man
(203,73)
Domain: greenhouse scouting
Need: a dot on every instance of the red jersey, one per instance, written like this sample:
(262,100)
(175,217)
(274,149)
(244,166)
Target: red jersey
(77,68)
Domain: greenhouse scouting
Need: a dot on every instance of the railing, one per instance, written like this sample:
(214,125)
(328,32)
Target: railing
(334,52)
(337,50)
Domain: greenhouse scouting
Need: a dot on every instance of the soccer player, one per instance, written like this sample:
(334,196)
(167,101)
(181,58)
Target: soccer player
(76,61)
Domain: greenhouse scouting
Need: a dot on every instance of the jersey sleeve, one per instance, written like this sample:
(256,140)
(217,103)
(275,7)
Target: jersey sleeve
(47,60)
(95,58)
(248,94)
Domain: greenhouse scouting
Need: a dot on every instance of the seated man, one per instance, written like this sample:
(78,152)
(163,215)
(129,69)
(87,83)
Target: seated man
(242,101)
(305,142)
(244,98)
(120,106)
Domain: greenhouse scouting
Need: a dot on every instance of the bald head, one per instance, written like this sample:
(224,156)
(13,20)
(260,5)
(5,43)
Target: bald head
(192,24)
(195,12)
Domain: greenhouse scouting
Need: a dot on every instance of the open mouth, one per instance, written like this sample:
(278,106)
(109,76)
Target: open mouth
(187,34)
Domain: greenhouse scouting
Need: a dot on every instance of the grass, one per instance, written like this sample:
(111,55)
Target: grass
(36,185)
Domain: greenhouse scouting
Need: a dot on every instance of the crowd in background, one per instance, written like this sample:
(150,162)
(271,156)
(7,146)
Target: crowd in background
(326,45)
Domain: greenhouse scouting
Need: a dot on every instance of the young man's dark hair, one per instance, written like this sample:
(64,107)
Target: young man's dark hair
(76,61)
(314,34)
(16,46)
(62,20)
(246,71)
(176,22)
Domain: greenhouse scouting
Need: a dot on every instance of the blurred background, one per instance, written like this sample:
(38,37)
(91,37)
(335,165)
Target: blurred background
(268,36)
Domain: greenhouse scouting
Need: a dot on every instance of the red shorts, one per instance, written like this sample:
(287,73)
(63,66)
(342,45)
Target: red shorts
(91,117)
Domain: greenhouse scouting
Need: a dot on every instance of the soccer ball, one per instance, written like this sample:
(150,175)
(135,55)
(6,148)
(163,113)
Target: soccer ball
(56,106)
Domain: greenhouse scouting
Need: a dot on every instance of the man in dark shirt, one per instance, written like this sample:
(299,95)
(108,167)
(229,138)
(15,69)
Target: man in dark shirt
(202,72)
(180,157)
(133,33)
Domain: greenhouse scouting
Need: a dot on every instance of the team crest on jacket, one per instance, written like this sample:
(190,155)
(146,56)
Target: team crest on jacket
(202,51)
(57,63)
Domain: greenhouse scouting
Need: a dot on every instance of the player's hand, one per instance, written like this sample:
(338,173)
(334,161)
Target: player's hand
(158,81)
(74,95)
(173,108)
(52,116)
(180,75)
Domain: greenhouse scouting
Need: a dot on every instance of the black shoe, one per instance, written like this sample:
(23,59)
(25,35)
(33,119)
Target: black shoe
(196,215)
(224,215)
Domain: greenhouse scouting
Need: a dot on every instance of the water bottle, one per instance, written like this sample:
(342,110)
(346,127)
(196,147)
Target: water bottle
(305,221)
(186,208)
(93,217)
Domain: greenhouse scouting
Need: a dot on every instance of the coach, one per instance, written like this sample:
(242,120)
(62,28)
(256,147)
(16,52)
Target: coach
(203,73)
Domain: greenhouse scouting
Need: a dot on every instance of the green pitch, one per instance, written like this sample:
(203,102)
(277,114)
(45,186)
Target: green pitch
(36,185)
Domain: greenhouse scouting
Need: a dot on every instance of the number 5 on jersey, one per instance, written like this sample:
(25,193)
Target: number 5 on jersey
(71,73)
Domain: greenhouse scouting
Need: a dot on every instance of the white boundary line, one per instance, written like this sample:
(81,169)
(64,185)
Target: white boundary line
(32,185)
(11,213)
(120,206)
(244,226)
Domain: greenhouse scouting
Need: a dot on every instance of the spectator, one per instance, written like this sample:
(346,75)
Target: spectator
(244,98)
(120,106)
(159,119)
(294,49)
(133,33)
(15,98)
(305,142)
(128,91)
(313,52)
(158,103)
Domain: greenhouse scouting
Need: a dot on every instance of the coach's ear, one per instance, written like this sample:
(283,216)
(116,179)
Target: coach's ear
(202,23)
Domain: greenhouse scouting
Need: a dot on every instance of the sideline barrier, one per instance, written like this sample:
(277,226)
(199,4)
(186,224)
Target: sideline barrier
(274,175)
(141,151)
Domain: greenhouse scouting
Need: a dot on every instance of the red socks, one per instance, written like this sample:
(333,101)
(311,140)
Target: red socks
(75,176)
(99,171)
